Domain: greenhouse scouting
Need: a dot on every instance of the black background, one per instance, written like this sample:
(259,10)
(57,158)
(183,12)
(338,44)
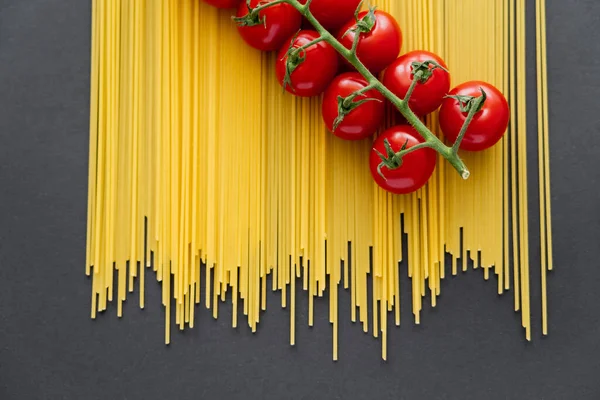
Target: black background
(469,347)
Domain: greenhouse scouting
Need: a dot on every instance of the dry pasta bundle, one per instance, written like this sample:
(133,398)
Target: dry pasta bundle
(204,171)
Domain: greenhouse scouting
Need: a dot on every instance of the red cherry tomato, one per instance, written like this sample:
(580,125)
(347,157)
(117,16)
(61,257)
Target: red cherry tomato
(223,3)
(426,97)
(488,125)
(362,121)
(281,21)
(332,14)
(417,167)
(311,76)
(378,48)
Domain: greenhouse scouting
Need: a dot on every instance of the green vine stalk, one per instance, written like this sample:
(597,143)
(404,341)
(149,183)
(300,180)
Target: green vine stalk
(421,73)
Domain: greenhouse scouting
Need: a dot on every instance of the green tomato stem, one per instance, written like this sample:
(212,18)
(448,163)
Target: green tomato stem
(307,5)
(475,108)
(414,148)
(412,87)
(355,43)
(348,100)
(259,8)
(299,50)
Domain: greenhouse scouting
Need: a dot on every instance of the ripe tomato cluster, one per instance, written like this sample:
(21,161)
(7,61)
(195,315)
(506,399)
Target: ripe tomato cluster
(354,110)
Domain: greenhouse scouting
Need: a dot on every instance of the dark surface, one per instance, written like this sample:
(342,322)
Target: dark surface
(470,347)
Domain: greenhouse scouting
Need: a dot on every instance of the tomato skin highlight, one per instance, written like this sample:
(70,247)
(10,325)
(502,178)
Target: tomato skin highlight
(378,48)
(333,14)
(428,96)
(223,3)
(313,75)
(488,125)
(282,21)
(417,167)
(361,122)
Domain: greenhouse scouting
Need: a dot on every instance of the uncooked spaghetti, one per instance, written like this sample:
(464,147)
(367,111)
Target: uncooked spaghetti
(203,170)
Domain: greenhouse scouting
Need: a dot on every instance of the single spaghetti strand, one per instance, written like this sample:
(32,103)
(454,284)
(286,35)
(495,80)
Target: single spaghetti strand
(92,156)
(505,148)
(545,122)
(522,129)
(525,180)
(513,157)
(97,163)
(546,135)
(123,176)
(135,222)
(106,294)
(541,164)
(195,239)
(187,143)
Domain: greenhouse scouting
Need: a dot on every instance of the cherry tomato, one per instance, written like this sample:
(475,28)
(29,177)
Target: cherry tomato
(417,167)
(311,76)
(488,125)
(378,48)
(426,97)
(281,21)
(362,121)
(223,3)
(332,14)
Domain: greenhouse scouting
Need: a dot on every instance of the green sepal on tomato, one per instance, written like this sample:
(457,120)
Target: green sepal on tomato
(426,97)
(416,167)
(309,72)
(377,48)
(223,3)
(272,27)
(333,14)
(364,115)
(488,125)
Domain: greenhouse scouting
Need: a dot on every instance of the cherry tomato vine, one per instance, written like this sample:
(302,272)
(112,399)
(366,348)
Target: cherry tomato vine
(474,115)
